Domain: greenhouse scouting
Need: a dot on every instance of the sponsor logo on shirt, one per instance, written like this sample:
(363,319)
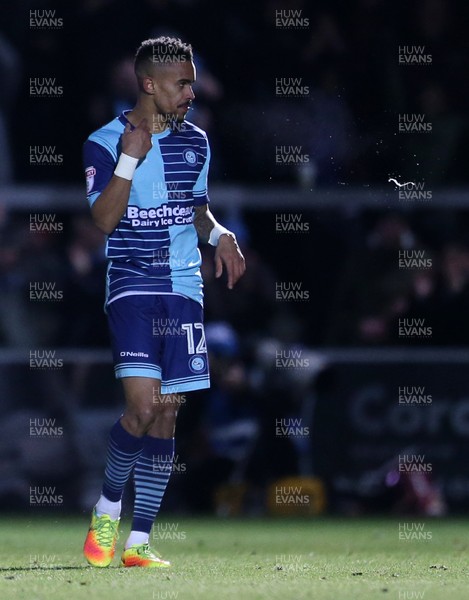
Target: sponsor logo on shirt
(162,216)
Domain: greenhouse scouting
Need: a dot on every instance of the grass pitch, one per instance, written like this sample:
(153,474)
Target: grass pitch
(320,559)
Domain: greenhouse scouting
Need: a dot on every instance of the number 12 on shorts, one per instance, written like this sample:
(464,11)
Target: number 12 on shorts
(201,347)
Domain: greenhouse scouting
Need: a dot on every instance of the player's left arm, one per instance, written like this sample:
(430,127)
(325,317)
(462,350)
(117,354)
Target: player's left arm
(227,254)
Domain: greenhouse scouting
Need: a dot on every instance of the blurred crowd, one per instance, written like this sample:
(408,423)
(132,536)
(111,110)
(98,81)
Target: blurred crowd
(331,85)
(352,280)
(328,80)
(264,373)
(407,269)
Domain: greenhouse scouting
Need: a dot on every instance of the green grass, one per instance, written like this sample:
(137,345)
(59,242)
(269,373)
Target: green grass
(326,559)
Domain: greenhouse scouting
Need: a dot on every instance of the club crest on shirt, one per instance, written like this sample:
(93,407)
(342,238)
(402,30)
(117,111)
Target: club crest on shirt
(90,172)
(197,363)
(189,156)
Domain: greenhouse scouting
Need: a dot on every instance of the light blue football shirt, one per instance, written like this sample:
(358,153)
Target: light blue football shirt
(153,249)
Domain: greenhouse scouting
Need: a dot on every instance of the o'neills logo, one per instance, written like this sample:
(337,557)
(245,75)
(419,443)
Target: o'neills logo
(163,216)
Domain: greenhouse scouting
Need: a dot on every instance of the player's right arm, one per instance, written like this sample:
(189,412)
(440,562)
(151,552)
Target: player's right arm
(109,207)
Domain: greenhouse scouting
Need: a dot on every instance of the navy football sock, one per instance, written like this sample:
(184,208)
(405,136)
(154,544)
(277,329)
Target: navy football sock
(151,476)
(124,450)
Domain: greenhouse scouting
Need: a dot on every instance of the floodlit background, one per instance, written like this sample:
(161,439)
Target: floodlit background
(339,362)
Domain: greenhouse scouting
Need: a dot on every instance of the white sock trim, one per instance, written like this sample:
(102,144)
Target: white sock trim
(106,507)
(137,537)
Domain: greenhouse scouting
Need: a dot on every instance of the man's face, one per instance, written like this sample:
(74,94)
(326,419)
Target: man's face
(173,88)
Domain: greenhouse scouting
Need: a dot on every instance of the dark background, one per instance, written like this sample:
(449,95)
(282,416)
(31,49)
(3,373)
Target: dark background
(347,258)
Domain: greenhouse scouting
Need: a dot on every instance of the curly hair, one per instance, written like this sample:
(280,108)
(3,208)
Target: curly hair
(160,51)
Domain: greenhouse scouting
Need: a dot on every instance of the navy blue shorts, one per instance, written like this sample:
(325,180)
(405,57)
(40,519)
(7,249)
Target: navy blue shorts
(160,336)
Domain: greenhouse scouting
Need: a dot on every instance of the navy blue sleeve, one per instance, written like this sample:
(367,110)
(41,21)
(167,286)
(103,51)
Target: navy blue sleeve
(99,169)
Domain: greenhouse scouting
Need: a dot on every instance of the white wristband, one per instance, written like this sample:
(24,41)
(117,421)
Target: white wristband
(126,166)
(216,232)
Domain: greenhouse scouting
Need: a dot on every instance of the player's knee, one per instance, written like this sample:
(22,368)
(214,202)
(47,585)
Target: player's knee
(167,412)
(143,412)
(139,419)
(149,414)
(167,404)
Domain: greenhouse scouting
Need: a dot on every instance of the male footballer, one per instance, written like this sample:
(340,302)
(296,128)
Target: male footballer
(147,187)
